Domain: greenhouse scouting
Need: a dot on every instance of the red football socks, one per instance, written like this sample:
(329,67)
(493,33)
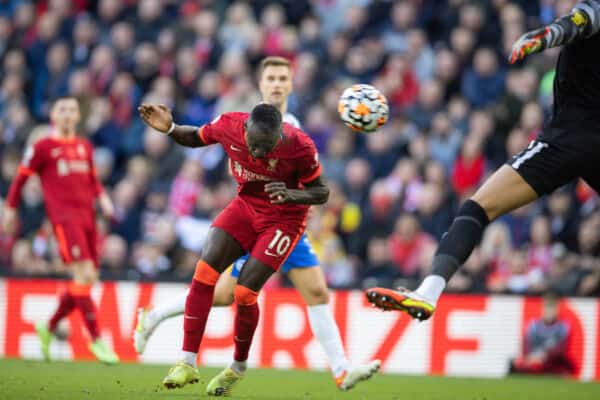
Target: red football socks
(66,304)
(86,307)
(246,320)
(197,305)
(83,301)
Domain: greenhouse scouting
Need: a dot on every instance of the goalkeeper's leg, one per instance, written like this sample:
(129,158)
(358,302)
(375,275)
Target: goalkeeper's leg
(503,192)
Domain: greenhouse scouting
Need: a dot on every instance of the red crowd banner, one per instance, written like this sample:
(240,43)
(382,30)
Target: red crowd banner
(468,335)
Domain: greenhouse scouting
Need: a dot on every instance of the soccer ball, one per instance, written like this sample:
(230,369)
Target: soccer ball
(363,108)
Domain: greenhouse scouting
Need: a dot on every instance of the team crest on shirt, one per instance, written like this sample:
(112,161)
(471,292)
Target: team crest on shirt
(272,164)
(81,151)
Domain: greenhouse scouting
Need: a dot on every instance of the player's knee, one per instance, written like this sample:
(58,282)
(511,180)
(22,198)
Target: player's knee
(222,299)
(80,289)
(84,272)
(244,296)
(490,206)
(317,294)
(206,274)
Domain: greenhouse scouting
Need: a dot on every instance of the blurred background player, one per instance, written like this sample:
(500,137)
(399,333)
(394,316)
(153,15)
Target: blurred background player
(63,161)
(545,344)
(302,265)
(568,148)
(279,176)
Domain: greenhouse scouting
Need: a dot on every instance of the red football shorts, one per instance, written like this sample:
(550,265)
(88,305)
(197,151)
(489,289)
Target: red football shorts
(268,235)
(76,242)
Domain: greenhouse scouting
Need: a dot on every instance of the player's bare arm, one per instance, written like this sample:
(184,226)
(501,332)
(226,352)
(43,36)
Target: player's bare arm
(314,192)
(583,22)
(106,205)
(9,219)
(160,118)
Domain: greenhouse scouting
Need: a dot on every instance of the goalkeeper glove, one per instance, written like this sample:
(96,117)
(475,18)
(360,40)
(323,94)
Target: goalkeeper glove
(530,43)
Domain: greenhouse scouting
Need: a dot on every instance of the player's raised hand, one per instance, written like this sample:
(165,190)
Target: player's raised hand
(158,116)
(531,42)
(278,192)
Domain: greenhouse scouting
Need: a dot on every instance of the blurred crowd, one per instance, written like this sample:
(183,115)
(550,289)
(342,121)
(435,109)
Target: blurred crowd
(457,112)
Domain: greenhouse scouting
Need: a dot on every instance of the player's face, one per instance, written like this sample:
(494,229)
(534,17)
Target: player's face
(550,311)
(260,143)
(275,84)
(65,114)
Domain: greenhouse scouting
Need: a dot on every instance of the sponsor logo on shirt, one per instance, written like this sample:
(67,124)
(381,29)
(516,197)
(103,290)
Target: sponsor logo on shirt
(247,175)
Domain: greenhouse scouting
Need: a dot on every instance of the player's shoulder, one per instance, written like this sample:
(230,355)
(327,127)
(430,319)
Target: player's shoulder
(86,142)
(298,139)
(230,126)
(292,120)
(42,143)
(231,117)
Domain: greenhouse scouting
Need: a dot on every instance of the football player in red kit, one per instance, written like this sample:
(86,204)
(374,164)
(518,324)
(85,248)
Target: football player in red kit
(279,176)
(65,167)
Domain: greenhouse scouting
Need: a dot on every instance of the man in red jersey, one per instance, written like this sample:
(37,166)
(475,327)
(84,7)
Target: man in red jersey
(65,167)
(279,177)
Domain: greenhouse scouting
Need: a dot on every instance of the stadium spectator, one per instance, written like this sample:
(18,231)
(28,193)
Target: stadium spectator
(407,244)
(378,269)
(469,167)
(456,112)
(471,278)
(545,345)
(113,259)
(563,277)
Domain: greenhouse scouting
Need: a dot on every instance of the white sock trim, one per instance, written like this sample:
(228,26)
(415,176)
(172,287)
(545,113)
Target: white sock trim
(239,367)
(190,358)
(432,287)
(326,331)
(168,309)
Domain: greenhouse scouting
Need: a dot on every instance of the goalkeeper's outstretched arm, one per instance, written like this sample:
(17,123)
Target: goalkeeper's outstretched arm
(581,23)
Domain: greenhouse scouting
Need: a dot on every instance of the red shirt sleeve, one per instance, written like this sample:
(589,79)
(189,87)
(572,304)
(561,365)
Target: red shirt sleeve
(34,158)
(98,188)
(32,162)
(215,131)
(309,166)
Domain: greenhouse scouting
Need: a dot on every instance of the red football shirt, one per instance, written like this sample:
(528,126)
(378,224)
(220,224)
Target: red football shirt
(294,160)
(67,175)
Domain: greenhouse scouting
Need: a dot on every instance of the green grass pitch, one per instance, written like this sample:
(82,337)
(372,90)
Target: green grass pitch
(87,380)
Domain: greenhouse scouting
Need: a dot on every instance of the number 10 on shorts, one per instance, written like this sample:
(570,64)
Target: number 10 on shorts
(279,245)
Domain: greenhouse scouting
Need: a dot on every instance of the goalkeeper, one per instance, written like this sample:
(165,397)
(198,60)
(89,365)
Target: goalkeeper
(567,149)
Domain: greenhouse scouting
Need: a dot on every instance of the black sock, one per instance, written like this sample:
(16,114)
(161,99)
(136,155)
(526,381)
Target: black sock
(460,240)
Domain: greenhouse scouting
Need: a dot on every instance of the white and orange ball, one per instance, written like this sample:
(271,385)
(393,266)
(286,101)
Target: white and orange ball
(363,108)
